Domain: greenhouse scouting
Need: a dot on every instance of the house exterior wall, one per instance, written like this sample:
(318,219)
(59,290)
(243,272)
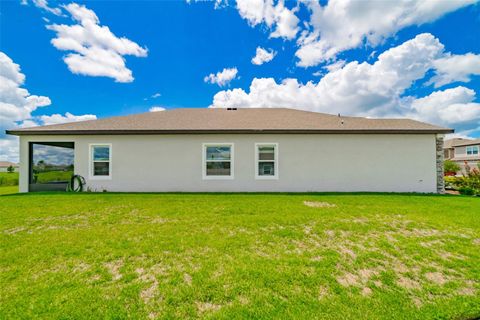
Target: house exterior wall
(448,153)
(307,162)
(461,156)
(461,151)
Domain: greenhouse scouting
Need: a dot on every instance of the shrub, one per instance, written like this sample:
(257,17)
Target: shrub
(450,182)
(468,184)
(466,191)
(470,180)
(450,167)
(10,169)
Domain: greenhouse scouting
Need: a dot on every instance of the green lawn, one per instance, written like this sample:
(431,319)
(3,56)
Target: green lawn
(49,176)
(237,256)
(8,179)
(8,190)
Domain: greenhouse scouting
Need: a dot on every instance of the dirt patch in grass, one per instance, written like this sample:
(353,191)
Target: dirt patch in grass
(14,230)
(330,233)
(114,268)
(243,300)
(149,292)
(204,307)
(366,292)
(187,279)
(436,277)
(81,267)
(365,255)
(318,204)
(407,283)
(348,279)
(468,289)
(347,252)
(367,274)
(323,292)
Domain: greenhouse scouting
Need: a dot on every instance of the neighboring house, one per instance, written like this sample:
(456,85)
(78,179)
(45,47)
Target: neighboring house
(244,150)
(463,150)
(449,147)
(5,164)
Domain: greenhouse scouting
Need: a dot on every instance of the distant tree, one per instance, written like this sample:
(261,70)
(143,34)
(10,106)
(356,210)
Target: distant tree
(451,167)
(10,169)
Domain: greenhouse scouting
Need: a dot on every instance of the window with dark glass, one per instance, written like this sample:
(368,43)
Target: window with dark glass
(472,150)
(101,160)
(266,163)
(218,160)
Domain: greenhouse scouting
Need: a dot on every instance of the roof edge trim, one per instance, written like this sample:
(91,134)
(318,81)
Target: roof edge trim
(232,131)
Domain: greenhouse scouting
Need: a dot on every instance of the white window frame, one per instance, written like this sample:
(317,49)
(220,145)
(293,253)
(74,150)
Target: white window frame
(473,148)
(275,161)
(204,160)
(90,162)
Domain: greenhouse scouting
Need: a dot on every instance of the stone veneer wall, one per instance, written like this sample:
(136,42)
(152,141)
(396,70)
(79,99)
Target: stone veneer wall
(439,158)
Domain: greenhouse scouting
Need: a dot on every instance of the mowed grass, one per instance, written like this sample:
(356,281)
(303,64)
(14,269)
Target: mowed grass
(236,256)
(8,190)
(48,176)
(8,179)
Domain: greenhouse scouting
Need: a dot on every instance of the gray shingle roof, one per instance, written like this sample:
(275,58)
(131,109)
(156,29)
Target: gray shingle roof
(466,142)
(242,120)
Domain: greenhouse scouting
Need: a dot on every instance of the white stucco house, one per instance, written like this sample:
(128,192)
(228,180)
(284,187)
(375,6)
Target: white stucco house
(242,150)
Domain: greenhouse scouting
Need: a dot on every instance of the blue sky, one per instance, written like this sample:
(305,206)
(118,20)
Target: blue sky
(174,45)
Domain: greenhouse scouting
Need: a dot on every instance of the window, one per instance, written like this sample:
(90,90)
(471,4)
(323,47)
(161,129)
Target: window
(266,161)
(100,161)
(472,150)
(218,160)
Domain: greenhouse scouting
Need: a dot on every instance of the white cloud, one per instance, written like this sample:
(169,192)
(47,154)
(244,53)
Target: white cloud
(96,50)
(283,20)
(346,24)
(43,4)
(16,107)
(223,77)
(356,88)
(217,4)
(453,68)
(335,66)
(9,148)
(28,123)
(156,95)
(58,118)
(156,108)
(451,107)
(365,89)
(262,56)
(16,103)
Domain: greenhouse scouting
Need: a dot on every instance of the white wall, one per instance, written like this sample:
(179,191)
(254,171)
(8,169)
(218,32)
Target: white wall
(322,162)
